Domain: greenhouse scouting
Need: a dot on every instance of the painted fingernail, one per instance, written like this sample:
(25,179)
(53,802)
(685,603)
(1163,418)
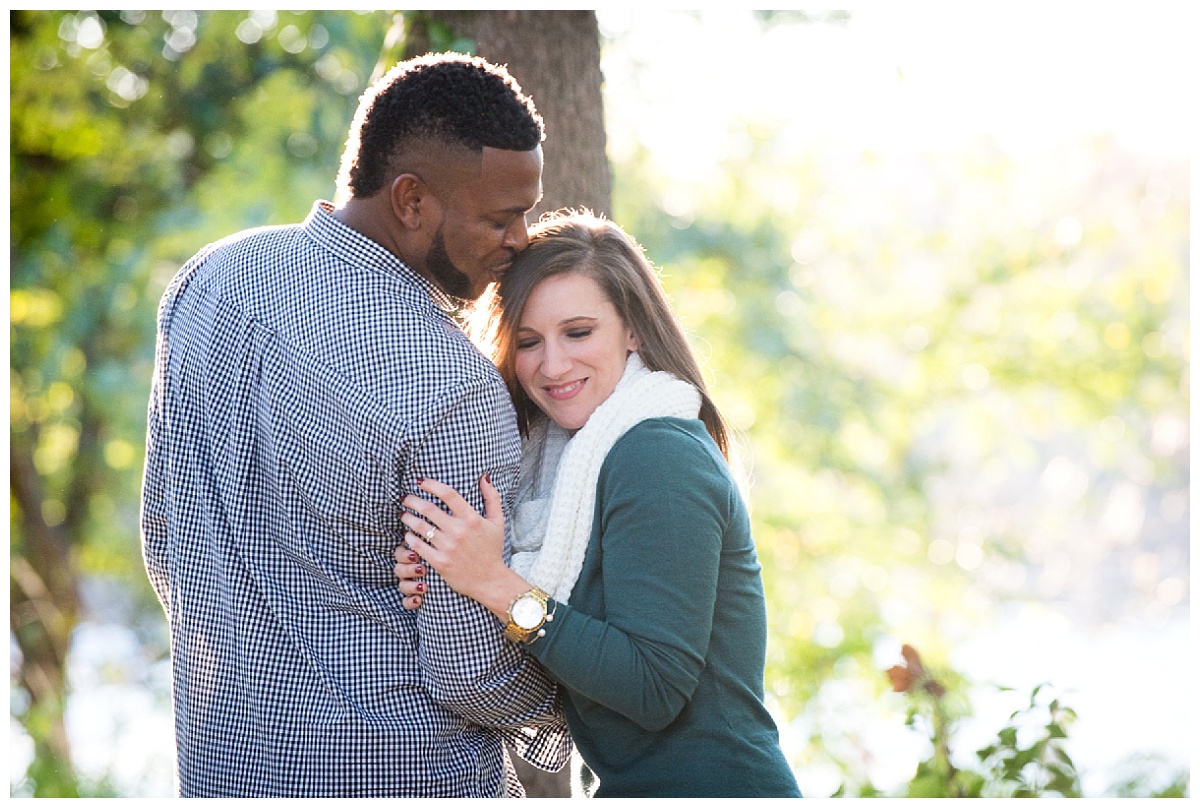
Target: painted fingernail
(419,570)
(420,480)
(420,587)
(414,558)
(488,478)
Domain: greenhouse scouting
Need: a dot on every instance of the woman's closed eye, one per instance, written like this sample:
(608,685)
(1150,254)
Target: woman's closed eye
(580,333)
(527,343)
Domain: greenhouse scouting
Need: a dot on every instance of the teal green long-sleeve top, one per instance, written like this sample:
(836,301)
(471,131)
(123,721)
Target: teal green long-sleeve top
(662,648)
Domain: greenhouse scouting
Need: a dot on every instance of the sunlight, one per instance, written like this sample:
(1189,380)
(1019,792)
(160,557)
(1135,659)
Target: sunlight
(897,78)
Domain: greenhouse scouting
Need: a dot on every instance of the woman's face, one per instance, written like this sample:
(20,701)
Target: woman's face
(571,348)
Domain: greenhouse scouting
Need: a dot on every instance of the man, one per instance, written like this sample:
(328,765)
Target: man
(306,376)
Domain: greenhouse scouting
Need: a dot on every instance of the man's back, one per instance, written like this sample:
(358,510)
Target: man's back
(305,378)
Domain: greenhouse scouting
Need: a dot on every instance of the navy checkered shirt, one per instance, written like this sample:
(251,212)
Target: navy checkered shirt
(304,378)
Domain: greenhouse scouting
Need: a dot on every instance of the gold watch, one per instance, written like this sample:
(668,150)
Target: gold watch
(526,616)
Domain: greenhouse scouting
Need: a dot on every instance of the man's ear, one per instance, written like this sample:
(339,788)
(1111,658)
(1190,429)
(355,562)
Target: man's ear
(410,199)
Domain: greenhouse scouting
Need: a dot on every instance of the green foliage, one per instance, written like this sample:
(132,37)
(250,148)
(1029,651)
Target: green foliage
(1039,767)
(442,37)
(910,344)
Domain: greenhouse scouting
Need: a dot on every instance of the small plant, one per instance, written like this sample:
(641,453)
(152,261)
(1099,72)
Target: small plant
(1027,759)
(1039,767)
(1149,775)
(936,707)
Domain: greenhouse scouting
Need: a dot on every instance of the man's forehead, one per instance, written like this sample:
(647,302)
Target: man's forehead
(505,160)
(512,173)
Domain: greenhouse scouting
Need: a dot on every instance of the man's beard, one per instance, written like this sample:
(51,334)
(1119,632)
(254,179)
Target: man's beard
(449,278)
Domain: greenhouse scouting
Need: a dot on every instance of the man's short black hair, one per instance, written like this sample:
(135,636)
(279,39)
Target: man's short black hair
(447,98)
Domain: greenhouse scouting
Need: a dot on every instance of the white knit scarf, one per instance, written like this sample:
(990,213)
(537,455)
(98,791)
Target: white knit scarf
(552,534)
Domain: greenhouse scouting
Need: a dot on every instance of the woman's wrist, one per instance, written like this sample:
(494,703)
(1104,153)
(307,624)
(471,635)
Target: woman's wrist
(501,590)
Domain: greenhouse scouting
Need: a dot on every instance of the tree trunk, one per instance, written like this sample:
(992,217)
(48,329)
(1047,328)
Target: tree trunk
(43,611)
(555,57)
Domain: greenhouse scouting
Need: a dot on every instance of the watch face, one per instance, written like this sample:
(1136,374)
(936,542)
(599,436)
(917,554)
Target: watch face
(528,613)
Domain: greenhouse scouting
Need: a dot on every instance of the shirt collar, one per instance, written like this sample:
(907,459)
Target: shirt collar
(352,247)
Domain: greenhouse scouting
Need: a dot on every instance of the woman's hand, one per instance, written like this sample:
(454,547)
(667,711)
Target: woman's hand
(466,549)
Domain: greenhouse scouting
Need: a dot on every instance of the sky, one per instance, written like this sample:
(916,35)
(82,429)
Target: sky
(922,76)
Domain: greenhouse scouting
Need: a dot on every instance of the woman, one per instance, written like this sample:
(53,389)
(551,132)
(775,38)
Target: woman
(634,579)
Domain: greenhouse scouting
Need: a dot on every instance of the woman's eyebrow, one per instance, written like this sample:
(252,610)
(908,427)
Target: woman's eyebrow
(577,318)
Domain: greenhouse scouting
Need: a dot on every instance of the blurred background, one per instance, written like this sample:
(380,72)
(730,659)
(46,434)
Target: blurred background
(936,263)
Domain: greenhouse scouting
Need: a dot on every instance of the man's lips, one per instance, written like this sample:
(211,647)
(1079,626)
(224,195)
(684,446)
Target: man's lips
(506,264)
(562,392)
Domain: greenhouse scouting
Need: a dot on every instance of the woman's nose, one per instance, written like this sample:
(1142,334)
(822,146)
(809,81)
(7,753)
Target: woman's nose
(555,361)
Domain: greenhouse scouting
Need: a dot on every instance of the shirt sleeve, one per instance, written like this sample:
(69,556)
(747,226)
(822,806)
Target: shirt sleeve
(154,507)
(467,665)
(153,511)
(664,507)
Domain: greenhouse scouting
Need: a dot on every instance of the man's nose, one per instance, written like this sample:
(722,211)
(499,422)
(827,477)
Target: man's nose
(517,236)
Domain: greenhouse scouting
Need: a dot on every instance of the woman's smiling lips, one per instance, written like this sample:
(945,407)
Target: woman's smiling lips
(563,392)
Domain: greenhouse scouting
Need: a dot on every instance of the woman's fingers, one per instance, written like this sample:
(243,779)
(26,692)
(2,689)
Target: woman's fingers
(430,513)
(410,571)
(458,506)
(410,576)
(418,526)
(462,516)
(432,518)
(404,555)
(491,500)
(422,548)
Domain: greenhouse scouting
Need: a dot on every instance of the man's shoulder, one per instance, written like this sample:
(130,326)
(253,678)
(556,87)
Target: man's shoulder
(420,362)
(251,238)
(245,248)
